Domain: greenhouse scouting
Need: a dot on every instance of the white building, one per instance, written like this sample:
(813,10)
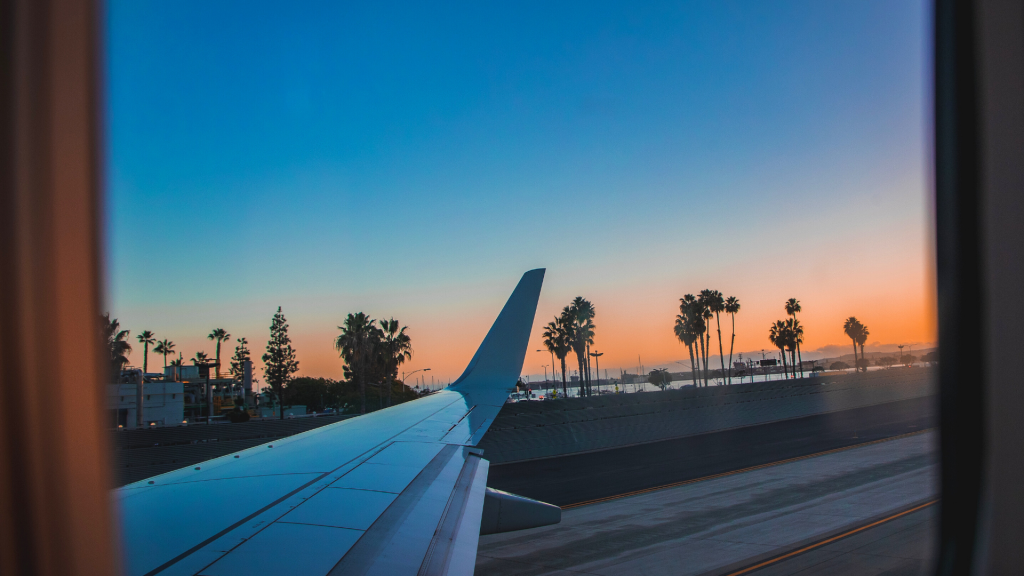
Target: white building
(163,404)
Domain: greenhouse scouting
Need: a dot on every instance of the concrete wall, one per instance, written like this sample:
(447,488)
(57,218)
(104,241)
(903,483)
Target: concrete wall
(530,430)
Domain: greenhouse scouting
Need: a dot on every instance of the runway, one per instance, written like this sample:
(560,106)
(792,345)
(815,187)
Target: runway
(733,505)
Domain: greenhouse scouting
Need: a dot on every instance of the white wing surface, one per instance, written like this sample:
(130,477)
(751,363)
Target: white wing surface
(395,492)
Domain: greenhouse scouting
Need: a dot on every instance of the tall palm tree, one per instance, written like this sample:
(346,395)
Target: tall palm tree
(356,345)
(792,307)
(558,342)
(685,331)
(116,340)
(716,305)
(779,336)
(852,328)
(220,335)
(732,306)
(795,335)
(706,299)
(146,338)
(693,310)
(164,347)
(583,312)
(395,348)
(798,338)
(862,338)
(577,345)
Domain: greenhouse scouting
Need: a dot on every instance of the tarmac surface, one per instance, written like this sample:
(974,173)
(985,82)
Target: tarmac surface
(904,546)
(568,480)
(735,520)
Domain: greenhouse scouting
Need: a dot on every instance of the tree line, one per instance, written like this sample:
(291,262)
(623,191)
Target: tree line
(372,351)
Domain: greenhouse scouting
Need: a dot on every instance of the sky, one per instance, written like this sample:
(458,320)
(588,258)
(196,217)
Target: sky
(412,160)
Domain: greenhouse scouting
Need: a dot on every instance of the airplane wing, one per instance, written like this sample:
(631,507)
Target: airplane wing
(394,492)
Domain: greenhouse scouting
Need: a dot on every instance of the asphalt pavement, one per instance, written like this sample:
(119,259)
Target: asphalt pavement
(578,478)
(730,523)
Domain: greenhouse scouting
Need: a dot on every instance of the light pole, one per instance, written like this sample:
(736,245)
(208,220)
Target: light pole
(413,372)
(596,355)
(686,365)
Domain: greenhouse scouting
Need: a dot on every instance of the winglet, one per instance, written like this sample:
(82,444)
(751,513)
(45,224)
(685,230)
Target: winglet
(499,359)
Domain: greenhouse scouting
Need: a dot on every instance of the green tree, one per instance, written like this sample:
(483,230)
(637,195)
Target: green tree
(200,358)
(164,347)
(279,361)
(839,366)
(117,344)
(852,328)
(732,306)
(660,378)
(146,338)
(238,360)
(395,347)
(558,341)
(219,335)
(792,307)
(313,393)
(356,345)
(179,362)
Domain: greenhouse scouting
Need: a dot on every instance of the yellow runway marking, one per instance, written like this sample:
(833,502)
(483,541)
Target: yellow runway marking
(741,470)
(829,540)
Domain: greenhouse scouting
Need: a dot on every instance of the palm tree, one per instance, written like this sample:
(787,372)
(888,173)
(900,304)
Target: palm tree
(395,348)
(356,345)
(852,328)
(732,306)
(558,342)
(579,333)
(792,307)
(779,336)
(798,337)
(716,305)
(146,338)
(693,310)
(862,338)
(583,313)
(164,347)
(685,331)
(177,362)
(220,335)
(795,333)
(118,347)
(707,299)
(200,358)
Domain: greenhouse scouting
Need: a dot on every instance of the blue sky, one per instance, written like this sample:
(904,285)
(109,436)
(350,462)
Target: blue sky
(413,159)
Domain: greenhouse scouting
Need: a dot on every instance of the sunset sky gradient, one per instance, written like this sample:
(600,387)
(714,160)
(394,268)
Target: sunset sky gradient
(414,159)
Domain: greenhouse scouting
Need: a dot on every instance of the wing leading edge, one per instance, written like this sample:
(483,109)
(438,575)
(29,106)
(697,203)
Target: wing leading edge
(398,491)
